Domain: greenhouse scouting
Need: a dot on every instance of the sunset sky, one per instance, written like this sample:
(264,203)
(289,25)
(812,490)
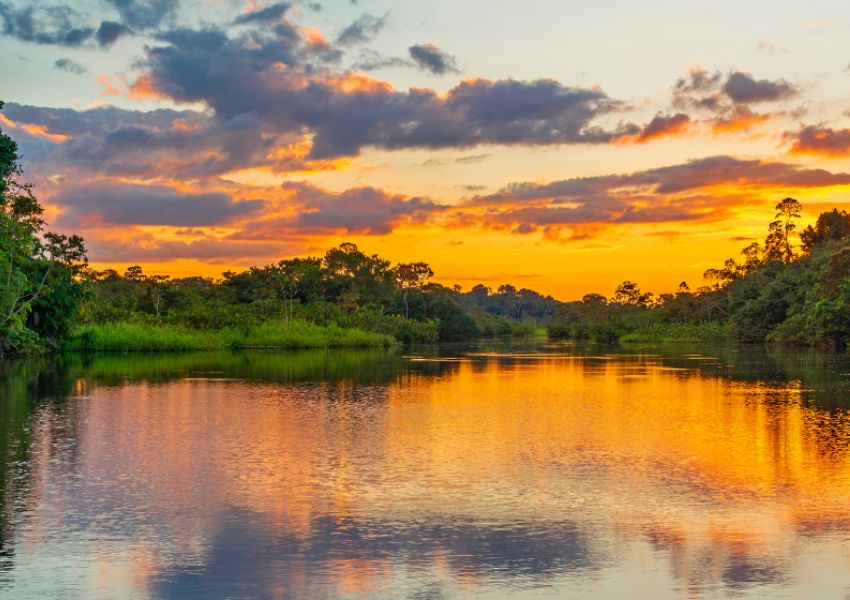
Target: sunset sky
(561,146)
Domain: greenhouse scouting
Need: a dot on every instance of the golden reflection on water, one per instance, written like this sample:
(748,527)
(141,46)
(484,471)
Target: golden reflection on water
(495,475)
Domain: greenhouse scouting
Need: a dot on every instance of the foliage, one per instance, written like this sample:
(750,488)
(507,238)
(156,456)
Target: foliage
(773,293)
(344,288)
(41,272)
(138,337)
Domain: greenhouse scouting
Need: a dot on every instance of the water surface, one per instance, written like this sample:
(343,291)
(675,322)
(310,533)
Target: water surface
(487,472)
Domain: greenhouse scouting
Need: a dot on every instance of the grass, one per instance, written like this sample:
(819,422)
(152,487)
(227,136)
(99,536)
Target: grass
(678,333)
(133,337)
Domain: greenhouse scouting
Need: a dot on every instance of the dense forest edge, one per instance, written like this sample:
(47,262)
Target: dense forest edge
(794,287)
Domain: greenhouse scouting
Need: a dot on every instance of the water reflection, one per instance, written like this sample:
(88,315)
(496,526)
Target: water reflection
(489,471)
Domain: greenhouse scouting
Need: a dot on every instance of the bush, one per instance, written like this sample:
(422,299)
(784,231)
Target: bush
(126,337)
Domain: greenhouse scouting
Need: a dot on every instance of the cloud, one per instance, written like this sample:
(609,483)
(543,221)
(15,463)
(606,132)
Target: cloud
(739,118)
(72,66)
(725,101)
(744,88)
(365,211)
(663,126)
(109,32)
(699,190)
(822,141)
(139,248)
(111,203)
(369,60)
(269,14)
(712,91)
(162,143)
(362,30)
(145,14)
(270,104)
(360,210)
(62,25)
(430,58)
(58,25)
(345,112)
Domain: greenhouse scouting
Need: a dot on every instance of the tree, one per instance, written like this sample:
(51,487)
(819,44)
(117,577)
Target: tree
(157,285)
(830,226)
(411,276)
(778,241)
(628,294)
(33,263)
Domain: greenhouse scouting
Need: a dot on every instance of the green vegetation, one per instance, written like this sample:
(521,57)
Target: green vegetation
(345,298)
(774,293)
(124,337)
(41,273)
(660,333)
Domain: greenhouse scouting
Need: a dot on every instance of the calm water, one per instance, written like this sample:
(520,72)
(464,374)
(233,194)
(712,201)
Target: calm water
(534,472)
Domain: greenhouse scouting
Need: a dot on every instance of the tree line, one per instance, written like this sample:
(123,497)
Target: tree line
(776,290)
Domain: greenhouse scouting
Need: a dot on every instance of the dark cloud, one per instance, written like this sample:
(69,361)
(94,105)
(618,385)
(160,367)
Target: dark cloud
(698,80)
(109,32)
(58,25)
(161,143)
(269,14)
(145,14)
(110,203)
(691,175)
(362,30)
(430,58)
(711,91)
(744,88)
(823,141)
(346,112)
(72,66)
(62,25)
(360,210)
(726,100)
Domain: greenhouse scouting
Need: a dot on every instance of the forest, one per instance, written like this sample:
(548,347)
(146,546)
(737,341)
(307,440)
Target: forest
(794,287)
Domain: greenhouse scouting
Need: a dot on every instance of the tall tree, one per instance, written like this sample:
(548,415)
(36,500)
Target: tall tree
(778,242)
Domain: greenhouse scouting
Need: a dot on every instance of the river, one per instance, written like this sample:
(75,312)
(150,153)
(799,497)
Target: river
(490,471)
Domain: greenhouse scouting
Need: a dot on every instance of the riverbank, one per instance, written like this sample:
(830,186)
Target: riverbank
(709,332)
(133,337)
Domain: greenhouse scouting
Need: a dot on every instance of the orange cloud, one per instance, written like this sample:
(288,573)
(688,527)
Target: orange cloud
(143,88)
(110,88)
(35,130)
(820,141)
(742,119)
(659,127)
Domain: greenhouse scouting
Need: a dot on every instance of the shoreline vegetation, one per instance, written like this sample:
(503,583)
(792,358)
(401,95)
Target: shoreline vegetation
(792,287)
(133,337)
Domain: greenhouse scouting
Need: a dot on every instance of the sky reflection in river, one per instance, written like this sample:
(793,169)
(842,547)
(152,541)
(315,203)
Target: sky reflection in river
(487,473)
